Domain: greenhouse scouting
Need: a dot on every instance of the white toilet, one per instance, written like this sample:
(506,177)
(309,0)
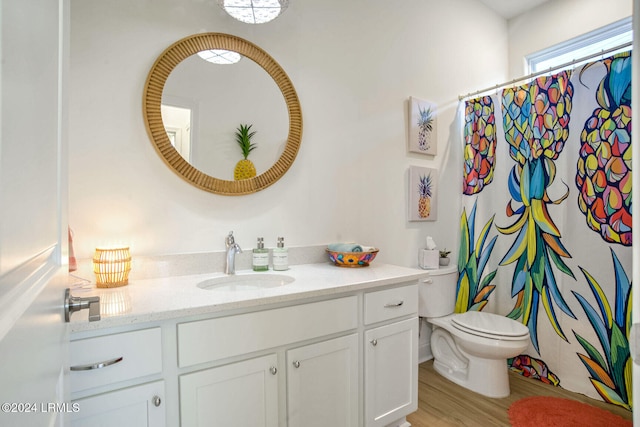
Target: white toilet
(471,349)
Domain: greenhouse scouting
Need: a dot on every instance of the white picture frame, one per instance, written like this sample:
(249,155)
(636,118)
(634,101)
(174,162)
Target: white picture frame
(423,126)
(423,194)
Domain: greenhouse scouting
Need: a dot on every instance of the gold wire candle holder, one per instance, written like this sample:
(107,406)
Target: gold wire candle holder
(111,267)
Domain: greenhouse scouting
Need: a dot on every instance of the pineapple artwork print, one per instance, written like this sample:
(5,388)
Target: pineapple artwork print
(425,192)
(536,126)
(479,144)
(603,173)
(425,126)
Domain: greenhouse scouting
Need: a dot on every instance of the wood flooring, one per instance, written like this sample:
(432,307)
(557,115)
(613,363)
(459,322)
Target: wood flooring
(445,404)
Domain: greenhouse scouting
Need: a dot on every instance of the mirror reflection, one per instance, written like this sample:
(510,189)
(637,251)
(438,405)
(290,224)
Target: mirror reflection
(203,103)
(243,98)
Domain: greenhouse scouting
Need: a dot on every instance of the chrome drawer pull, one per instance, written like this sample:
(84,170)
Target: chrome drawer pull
(96,365)
(398,304)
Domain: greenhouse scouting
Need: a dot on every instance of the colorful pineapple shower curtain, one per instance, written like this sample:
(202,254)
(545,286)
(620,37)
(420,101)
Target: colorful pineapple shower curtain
(546,222)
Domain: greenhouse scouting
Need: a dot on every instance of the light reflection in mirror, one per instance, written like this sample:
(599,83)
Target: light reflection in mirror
(220,56)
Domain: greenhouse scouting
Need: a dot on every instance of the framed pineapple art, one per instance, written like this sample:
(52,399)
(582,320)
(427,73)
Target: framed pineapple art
(422,127)
(423,192)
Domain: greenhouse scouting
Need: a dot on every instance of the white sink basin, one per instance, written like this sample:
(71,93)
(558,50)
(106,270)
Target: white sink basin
(246,282)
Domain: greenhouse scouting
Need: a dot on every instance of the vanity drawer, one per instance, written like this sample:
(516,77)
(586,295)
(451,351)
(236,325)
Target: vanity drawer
(112,358)
(390,303)
(213,339)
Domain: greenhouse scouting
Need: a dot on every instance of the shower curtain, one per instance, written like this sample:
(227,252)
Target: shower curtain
(546,222)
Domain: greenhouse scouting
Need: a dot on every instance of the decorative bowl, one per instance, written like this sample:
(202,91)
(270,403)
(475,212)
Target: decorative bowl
(352,259)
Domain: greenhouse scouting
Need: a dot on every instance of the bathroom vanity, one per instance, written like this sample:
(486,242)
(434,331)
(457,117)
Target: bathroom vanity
(335,346)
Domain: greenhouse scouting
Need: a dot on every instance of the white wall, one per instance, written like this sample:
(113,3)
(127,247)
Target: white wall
(354,65)
(556,21)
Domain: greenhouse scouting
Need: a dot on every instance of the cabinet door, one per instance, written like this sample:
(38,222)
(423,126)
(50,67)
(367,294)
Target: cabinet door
(322,384)
(240,394)
(391,372)
(138,406)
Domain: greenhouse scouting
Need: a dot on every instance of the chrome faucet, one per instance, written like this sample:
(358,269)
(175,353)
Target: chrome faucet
(232,249)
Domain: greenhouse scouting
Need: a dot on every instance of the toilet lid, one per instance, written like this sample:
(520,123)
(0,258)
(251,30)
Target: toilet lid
(489,324)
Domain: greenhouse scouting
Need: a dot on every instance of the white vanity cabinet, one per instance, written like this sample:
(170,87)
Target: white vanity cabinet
(239,394)
(339,358)
(121,364)
(390,355)
(138,406)
(246,392)
(322,384)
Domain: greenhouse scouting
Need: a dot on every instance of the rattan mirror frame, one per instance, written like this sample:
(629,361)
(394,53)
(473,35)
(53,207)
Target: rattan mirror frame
(152,100)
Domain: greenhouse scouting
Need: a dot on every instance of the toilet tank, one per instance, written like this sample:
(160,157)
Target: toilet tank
(437,293)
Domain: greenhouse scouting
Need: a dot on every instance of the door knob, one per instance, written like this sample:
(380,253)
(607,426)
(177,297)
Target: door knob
(73,304)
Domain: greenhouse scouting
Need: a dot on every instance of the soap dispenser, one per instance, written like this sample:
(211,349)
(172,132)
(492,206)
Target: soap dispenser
(280,256)
(260,257)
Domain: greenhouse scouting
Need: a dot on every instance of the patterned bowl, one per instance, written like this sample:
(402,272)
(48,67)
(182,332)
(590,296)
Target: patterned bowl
(352,259)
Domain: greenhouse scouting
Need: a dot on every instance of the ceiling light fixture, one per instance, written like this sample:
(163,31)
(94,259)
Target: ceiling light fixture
(254,11)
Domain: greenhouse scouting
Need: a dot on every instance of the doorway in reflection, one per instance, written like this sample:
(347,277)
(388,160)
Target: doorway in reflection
(177,123)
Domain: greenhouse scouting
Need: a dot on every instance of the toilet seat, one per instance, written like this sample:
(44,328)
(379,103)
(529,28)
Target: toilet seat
(489,325)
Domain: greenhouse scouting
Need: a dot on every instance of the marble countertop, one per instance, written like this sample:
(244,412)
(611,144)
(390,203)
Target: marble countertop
(174,297)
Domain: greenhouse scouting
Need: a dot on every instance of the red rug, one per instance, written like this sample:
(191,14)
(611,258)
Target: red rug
(542,411)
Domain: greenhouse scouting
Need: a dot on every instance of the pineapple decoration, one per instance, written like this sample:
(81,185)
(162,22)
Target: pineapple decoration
(480,144)
(245,168)
(425,191)
(425,126)
(604,166)
(536,126)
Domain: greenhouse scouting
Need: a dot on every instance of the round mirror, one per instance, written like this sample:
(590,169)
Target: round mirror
(205,160)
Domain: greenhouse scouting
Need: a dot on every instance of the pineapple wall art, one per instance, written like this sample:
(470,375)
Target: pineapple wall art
(422,127)
(423,185)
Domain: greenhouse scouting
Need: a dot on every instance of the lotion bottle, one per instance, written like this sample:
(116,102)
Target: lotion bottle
(260,257)
(280,256)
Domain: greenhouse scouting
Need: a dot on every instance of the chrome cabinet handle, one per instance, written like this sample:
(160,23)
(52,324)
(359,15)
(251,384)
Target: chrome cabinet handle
(99,365)
(296,364)
(273,370)
(392,305)
(156,401)
(374,342)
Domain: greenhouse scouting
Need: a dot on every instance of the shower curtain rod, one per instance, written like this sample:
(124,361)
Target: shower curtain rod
(539,73)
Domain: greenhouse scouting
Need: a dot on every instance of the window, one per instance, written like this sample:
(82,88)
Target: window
(618,34)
